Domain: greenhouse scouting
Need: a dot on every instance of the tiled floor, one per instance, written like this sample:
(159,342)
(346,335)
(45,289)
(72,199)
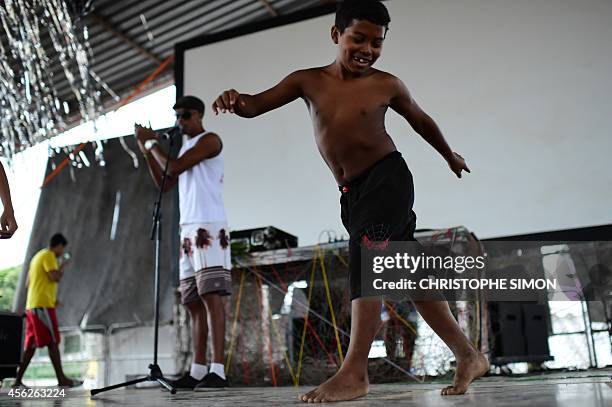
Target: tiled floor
(582,389)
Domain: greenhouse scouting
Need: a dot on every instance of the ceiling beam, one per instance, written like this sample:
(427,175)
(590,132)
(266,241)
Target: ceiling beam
(271,9)
(109,27)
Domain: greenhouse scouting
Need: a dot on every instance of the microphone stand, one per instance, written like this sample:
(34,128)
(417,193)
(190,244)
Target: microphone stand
(155,373)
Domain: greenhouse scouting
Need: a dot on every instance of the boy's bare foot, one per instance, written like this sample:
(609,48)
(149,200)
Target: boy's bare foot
(19,385)
(342,386)
(468,369)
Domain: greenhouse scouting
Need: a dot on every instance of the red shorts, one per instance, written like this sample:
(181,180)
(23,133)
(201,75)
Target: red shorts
(41,328)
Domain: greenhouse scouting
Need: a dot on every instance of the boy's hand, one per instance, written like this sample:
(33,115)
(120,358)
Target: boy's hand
(228,101)
(138,141)
(144,133)
(8,224)
(457,164)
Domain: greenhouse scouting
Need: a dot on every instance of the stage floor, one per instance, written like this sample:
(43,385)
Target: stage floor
(585,389)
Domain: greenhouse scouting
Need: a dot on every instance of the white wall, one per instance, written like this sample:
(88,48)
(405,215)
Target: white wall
(520,88)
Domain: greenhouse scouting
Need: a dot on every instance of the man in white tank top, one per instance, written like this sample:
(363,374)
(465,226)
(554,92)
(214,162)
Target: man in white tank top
(205,252)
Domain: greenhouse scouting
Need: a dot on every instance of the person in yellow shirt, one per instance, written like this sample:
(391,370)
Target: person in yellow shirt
(41,321)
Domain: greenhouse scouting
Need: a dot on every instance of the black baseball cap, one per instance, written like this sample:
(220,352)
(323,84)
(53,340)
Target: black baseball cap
(189,102)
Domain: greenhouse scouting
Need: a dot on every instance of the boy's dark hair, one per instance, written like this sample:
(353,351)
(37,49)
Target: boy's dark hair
(370,10)
(58,239)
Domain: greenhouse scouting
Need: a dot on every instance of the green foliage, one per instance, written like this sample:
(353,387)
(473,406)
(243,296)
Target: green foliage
(8,285)
(239,249)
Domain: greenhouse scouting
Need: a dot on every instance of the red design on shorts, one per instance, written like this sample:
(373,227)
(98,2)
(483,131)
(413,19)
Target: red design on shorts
(203,239)
(187,247)
(382,245)
(223,239)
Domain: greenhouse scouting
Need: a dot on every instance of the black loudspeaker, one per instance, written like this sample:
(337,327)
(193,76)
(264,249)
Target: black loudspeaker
(519,332)
(11,332)
(535,317)
(507,326)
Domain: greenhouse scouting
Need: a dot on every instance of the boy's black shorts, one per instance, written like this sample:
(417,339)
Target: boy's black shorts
(376,208)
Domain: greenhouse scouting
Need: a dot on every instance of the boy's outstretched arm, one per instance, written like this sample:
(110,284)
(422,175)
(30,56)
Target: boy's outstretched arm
(422,123)
(8,225)
(248,106)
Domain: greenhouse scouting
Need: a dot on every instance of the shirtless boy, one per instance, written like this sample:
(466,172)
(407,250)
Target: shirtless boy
(347,101)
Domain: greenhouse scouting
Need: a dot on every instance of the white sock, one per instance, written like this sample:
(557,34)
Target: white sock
(218,369)
(198,371)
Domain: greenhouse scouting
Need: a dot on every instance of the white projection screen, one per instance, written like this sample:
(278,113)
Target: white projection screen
(520,88)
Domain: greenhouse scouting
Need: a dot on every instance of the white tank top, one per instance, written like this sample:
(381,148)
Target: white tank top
(201,188)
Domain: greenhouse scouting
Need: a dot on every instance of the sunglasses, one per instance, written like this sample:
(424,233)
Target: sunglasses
(184,115)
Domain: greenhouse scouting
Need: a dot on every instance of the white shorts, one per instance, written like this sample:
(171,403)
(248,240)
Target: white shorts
(204,246)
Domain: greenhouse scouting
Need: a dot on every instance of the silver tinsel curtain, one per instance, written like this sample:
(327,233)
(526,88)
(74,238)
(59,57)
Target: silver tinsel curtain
(31,110)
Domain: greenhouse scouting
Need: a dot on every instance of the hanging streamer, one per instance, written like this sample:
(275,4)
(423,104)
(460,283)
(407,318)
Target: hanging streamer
(31,108)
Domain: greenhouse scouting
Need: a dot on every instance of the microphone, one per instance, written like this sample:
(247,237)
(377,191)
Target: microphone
(171,132)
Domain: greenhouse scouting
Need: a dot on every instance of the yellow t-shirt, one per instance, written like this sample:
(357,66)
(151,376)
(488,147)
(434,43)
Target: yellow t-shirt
(42,290)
